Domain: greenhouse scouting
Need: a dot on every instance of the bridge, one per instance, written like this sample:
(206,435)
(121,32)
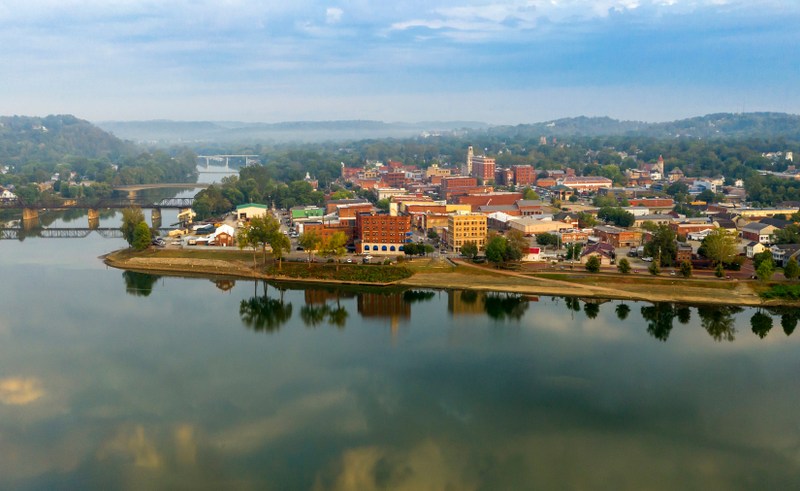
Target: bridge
(17,233)
(132,188)
(248,159)
(30,212)
(170,203)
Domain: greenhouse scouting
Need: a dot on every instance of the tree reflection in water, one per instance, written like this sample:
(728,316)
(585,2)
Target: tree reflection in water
(761,324)
(591,309)
(622,311)
(501,306)
(139,284)
(572,303)
(261,313)
(659,319)
(683,313)
(718,321)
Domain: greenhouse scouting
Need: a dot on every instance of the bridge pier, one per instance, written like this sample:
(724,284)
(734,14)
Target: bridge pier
(155,217)
(94,218)
(30,218)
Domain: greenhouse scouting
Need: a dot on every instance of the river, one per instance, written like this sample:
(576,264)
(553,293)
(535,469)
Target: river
(111,380)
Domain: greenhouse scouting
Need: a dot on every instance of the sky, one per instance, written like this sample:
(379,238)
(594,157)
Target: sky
(499,62)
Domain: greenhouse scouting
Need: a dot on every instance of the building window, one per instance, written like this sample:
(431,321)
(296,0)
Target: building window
(383,248)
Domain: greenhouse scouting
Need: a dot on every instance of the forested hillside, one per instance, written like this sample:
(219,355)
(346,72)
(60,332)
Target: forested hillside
(53,139)
(721,125)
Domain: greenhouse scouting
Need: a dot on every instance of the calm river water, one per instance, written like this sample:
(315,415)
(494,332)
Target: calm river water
(110,380)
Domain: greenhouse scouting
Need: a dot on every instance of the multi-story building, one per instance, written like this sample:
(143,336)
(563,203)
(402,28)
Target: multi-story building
(523,175)
(466,227)
(483,168)
(450,183)
(381,234)
(326,229)
(435,171)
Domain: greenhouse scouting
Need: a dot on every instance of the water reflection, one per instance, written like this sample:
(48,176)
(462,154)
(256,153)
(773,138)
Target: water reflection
(622,310)
(139,284)
(659,319)
(760,323)
(718,321)
(263,313)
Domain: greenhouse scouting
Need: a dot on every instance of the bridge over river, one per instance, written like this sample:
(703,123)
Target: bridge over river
(17,233)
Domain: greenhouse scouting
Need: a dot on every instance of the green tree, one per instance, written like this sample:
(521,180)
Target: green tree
(469,250)
(310,242)
(244,238)
(662,244)
(719,246)
(280,245)
(719,271)
(624,266)
(545,239)
(762,257)
(517,245)
(654,268)
(791,270)
(593,264)
(261,230)
(334,247)
(686,269)
(617,216)
(765,270)
(411,249)
(382,205)
(141,236)
(586,220)
(574,251)
(496,249)
(131,217)
(529,194)
(788,235)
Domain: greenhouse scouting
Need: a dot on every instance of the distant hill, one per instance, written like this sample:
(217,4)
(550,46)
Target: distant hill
(721,125)
(187,132)
(54,138)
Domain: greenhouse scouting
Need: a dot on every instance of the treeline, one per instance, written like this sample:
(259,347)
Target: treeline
(94,179)
(256,184)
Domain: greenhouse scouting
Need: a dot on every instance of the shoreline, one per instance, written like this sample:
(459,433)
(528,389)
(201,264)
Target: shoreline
(466,276)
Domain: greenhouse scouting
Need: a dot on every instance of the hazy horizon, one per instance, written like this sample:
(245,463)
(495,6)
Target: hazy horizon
(501,62)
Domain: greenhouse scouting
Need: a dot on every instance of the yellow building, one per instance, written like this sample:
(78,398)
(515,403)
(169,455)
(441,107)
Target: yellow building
(466,227)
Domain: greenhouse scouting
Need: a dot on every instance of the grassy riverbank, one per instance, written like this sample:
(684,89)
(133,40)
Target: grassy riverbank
(437,273)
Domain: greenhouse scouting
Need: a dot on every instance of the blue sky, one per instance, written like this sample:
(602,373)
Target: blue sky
(503,62)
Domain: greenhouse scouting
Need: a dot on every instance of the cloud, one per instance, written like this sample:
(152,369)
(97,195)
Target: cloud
(20,391)
(333,15)
(133,443)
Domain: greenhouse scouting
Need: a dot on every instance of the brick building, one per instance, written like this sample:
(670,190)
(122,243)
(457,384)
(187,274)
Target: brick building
(483,168)
(381,234)
(523,175)
(327,229)
(618,237)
